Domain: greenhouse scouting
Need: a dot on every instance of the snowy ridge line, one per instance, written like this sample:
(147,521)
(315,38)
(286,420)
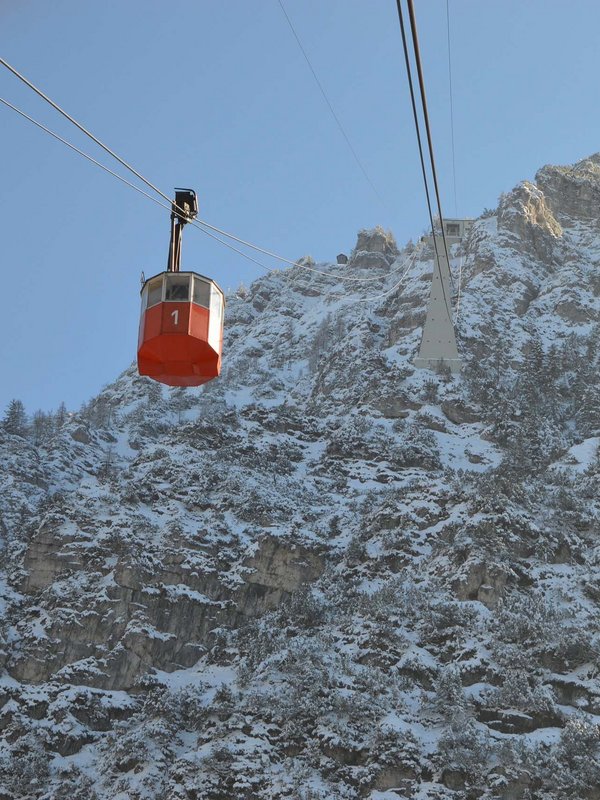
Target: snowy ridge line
(327,574)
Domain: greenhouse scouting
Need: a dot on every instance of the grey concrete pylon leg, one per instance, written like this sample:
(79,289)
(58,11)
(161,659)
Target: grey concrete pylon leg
(439,340)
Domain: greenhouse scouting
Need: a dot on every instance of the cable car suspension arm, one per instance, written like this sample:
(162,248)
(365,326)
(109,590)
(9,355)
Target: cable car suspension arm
(183,210)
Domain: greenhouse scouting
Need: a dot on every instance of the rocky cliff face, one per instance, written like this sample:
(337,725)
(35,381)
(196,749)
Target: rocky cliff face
(327,574)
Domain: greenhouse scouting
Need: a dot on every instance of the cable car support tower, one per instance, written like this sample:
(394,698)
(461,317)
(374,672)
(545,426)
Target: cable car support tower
(438,344)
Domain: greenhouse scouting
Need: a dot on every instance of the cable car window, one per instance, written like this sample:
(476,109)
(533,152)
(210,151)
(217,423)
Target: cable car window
(217,305)
(215,323)
(178,288)
(201,292)
(154,289)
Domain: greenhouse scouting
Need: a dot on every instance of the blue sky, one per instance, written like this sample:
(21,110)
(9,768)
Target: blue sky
(217,96)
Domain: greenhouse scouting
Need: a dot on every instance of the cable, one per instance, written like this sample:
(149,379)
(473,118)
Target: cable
(331,109)
(406,266)
(82,129)
(68,144)
(230,246)
(458,298)
(200,224)
(420,144)
(415,37)
(415,115)
(418,132)
(163,205)
(451,107)
(204,225)
(275,256)
(372,297)
(121,178)
(148,183)
(279,258)
(81,152)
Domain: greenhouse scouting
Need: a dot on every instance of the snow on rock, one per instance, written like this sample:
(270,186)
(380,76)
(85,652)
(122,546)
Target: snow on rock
(326,574)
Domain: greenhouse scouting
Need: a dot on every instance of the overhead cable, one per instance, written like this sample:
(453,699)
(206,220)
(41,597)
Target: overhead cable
(82,129)
(121,178)
(330,106)
(420,144)
(415,37)
(451,106)
(415,115)
(275,256)
(419,141)
(166,206)
(197,222)
(404,267)
(459,295)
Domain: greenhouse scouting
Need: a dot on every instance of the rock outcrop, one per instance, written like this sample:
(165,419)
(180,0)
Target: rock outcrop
(327,574)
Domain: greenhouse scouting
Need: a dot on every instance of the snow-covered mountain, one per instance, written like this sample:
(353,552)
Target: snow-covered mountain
(327,574)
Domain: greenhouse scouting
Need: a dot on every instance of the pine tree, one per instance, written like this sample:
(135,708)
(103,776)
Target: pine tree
(552,363)
(61,416)
(15,419)
(320,343)
(107,467)
(42,426)
(179,403)
(154,394)
(588,413)
(533,378)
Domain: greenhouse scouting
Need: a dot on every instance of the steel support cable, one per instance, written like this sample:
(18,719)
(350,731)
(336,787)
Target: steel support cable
(458,298)
(91,136)
(121,178)
(405,268)
(331,108)
(320,272)
(200,224)
(280,258)
(161,204)
(415,115)
(416,121)
(388,292)
(82,129)
(419,141)
(451,92)
(451,106)
(144,180)
(415,37)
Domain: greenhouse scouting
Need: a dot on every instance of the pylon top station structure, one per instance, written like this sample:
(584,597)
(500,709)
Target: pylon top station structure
(438,345)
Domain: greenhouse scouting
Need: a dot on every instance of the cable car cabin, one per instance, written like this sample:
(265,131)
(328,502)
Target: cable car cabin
(181,329)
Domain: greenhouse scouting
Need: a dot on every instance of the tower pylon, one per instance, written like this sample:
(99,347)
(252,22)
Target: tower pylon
(438,345)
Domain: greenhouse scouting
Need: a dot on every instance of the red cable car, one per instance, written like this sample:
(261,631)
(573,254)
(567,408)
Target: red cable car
(181,325)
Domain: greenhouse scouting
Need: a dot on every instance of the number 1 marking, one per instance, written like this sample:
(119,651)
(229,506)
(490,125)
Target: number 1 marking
(175,315)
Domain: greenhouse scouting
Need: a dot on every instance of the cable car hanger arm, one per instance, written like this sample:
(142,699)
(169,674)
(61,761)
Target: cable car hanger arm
(183,210)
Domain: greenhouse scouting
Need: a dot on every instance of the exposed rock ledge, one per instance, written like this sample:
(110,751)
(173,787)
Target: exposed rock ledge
(143,620)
